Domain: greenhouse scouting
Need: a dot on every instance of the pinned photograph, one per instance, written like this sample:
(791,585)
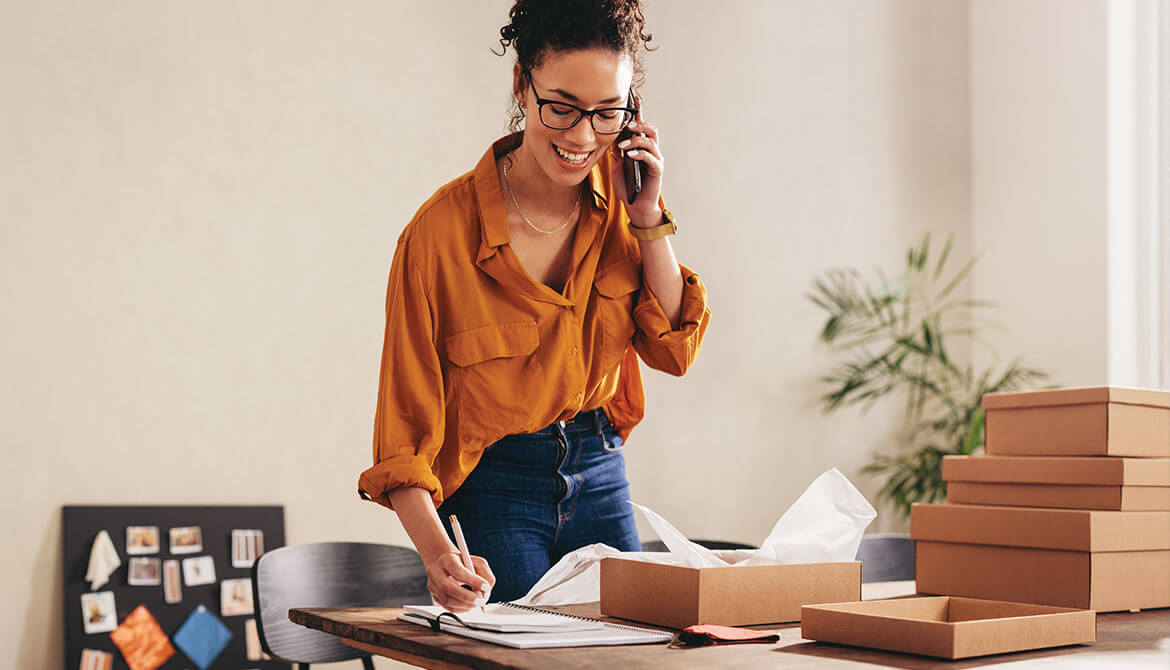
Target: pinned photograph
(186,540)
(198,570)
(252,649)
(142,540)
(98,613)
(145,572)
(247,545)
(172,591)
(92,659)
(235,597)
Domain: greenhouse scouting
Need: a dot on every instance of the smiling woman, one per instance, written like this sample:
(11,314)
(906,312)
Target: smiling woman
(521,297)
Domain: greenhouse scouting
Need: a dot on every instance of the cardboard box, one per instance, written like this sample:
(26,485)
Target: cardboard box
(1102,581)
(676,596)
(1067,529)
(1120,498)
(947,627)
(1106,561)
(1070,470)
(1094,482)
(1097,421)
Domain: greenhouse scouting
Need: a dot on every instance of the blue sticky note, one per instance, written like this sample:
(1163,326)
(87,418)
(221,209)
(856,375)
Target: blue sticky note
(202,637)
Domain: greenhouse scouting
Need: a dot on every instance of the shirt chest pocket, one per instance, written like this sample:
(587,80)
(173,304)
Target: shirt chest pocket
(617,290)
(495,378)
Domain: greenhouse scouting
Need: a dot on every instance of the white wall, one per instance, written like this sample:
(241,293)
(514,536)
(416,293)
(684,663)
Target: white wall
(1064,136)
(1038,180)
(201,201)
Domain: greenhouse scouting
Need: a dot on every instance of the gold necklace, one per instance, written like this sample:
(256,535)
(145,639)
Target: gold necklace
(572,212)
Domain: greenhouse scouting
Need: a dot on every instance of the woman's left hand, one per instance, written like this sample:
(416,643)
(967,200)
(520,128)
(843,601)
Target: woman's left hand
(643,146)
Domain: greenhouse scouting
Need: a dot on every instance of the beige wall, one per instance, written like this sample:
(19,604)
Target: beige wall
(1039,181)
(201,200)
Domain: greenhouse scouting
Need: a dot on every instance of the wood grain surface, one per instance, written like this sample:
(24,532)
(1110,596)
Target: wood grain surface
(1123,641)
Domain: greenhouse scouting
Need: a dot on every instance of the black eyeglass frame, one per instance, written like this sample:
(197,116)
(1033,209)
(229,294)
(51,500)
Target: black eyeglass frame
(581,113)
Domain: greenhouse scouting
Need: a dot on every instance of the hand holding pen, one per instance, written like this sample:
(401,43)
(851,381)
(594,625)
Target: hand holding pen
(465,556)
(459,581)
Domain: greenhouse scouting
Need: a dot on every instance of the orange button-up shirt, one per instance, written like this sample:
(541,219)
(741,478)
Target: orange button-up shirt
(476,349)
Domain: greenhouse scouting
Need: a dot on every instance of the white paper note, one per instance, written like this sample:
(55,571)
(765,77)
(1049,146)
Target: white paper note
(103,561)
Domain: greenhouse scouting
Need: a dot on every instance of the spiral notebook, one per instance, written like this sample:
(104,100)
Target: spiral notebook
(529,627)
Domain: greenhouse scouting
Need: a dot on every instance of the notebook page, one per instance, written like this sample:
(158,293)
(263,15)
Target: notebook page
(508,619)
(605,636)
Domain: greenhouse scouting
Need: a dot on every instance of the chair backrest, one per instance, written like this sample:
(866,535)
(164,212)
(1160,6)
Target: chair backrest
(329,574)
(659,545)
(886,557)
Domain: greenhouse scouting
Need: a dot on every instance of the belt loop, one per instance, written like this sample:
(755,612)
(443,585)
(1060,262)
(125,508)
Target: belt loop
(597,425)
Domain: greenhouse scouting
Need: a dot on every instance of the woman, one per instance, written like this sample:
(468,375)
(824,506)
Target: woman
(520,297)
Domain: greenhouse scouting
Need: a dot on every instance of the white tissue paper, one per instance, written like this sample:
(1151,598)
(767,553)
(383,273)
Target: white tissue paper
(103,561)
(824,525)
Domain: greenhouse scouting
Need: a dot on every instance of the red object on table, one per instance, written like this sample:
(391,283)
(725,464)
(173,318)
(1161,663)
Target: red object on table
(707,634)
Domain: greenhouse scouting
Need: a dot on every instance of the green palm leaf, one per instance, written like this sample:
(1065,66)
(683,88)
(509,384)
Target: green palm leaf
(909,320)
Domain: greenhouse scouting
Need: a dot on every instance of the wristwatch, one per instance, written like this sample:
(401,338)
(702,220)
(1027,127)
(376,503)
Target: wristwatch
(667,227)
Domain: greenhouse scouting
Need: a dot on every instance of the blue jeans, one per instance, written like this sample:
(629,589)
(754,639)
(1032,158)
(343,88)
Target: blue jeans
(535,497)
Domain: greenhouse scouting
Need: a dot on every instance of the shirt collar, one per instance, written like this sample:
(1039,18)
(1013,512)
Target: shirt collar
(492,213)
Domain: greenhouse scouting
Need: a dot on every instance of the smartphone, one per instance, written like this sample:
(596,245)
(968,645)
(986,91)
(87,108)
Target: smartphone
(634,170)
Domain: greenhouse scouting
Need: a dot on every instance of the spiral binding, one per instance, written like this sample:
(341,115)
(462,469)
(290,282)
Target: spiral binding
(618,626)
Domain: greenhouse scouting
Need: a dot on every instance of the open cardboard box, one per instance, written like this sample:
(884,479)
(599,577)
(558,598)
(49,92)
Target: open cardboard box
(1103,482)
(1096,421)
(947,627)
(676,596)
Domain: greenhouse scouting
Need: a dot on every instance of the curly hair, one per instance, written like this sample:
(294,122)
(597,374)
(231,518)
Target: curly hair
(540,26)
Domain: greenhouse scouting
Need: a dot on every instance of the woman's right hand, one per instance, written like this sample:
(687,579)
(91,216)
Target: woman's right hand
(445,572)
(446,577)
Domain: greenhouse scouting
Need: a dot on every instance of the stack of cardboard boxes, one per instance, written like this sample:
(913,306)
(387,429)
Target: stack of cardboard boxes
(1070,506)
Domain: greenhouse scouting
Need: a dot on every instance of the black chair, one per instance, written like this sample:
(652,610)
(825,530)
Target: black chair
(329,574)
(659,545)
(886,557)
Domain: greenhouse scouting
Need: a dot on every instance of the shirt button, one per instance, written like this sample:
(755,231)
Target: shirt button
(575,350)
(580,396)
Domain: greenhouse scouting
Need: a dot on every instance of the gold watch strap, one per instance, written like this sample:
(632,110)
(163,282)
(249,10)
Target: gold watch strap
(667,227)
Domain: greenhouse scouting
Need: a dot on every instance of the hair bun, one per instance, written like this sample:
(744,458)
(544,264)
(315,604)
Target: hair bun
(537,27)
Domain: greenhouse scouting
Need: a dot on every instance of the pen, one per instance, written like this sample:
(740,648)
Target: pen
(464,554)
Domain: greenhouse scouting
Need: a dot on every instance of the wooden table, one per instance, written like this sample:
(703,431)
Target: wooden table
(1125,640)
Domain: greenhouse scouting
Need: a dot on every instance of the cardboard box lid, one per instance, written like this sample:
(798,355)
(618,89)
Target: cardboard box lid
(1086,470)
(948,626)
(1077,396)
(1068,529)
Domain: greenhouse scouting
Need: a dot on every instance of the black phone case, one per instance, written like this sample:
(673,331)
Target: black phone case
(633,171)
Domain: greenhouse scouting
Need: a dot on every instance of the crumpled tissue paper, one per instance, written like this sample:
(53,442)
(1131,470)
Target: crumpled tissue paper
(824,525)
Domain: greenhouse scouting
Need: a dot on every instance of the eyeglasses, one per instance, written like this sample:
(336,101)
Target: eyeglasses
(562,115)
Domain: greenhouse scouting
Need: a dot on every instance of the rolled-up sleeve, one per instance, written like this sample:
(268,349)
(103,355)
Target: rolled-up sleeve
(409,419)
(672,350)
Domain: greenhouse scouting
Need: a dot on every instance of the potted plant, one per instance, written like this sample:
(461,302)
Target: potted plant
(892,335)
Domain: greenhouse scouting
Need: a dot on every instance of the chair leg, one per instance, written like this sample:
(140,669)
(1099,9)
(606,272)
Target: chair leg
(368,662)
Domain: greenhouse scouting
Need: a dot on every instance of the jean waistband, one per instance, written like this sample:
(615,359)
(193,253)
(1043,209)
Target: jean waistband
(590,420)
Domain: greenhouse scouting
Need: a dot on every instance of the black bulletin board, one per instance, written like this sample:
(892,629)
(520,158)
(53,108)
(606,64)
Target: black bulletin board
(80,525)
